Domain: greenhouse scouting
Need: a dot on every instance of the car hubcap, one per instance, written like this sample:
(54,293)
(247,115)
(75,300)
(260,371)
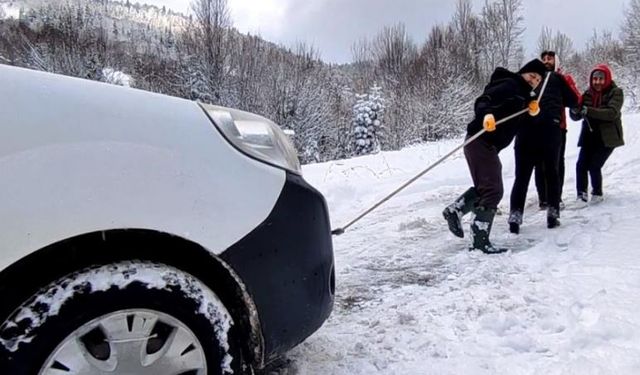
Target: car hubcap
(141,342)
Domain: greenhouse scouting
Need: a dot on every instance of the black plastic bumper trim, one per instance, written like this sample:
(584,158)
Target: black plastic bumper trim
(286,264)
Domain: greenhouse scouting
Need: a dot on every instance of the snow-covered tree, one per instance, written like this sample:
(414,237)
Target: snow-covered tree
(465,47)
(629,75)
(631,33)
(602,47)
(502,29)
(367,123)
(393,49)
(558,42)
(308,115)
(448,113)
(209,35)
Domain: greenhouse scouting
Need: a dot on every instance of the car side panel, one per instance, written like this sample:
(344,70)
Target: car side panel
(78,156)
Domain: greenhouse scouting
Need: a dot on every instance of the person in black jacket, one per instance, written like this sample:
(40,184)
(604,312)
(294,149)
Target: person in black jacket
(506,93)
(552,61)
(601,130)
(539,144)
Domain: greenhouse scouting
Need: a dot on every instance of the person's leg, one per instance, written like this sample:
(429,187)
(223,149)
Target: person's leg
(598,159)
(541,185)
(582,173)
(563,148)
(551,161)
(524,167)
(486,172)
(454,212)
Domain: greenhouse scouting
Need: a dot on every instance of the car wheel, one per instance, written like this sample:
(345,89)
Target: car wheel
(124,318)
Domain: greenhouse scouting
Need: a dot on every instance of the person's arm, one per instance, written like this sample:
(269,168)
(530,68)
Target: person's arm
(489,102)
(570,95)
(610,110)
(577,113)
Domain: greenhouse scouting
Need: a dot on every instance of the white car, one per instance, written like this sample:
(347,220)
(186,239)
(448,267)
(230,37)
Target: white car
(147,234)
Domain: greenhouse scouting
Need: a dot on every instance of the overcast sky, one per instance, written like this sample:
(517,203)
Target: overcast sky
(332,26)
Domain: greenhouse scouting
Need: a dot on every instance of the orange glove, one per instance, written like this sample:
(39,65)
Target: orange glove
(534,108)
(489,123)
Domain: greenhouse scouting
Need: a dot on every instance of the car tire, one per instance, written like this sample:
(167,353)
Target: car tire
(129,317)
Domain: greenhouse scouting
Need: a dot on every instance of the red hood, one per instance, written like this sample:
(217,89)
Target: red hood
(607,75)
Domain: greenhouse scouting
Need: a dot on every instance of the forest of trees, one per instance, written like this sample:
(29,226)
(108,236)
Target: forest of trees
(427,87)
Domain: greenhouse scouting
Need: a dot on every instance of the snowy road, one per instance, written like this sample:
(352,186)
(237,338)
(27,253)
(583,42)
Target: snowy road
(412,300)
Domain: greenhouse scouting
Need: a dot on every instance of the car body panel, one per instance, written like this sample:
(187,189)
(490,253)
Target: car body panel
(78,156)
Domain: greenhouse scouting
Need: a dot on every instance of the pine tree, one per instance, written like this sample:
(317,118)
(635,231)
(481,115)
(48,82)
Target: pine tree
(368,113)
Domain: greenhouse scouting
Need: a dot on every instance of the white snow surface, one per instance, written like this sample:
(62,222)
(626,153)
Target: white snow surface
(411,299)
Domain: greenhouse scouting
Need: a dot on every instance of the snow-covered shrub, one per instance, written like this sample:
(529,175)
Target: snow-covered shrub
(116,77)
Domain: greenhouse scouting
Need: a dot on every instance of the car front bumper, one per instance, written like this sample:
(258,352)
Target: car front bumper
(286,264)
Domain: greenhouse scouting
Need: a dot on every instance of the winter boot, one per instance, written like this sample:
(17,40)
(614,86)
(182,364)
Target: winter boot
(453,213)
(480,230)
(582,199)
(583,196)
(553,214)
(515,220)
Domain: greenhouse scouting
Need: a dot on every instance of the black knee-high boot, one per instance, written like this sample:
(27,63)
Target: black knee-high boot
(481,229)
(454,212)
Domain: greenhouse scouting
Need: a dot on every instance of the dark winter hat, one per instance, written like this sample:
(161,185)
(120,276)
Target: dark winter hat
(534,66)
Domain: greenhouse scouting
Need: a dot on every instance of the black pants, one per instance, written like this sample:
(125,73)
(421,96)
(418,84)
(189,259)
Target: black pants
(486,172)
(541,181)
(590,162)
(527,158)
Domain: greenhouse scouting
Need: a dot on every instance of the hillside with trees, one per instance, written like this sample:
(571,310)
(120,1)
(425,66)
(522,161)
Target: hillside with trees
(427,87)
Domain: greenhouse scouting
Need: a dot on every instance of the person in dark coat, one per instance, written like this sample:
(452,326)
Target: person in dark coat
(552,62)
(539,145)
(601,130)
(506,94)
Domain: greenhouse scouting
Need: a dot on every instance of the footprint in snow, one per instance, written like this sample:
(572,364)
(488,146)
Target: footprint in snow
(417,223)
(604,222)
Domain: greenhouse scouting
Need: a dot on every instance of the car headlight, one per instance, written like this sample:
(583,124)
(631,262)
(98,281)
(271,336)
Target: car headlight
(256,136)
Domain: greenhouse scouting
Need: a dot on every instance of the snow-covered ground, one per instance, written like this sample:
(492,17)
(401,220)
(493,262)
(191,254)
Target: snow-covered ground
(412,300)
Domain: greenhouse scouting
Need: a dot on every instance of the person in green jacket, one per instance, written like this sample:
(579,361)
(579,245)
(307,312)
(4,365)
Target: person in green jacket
(601,130)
